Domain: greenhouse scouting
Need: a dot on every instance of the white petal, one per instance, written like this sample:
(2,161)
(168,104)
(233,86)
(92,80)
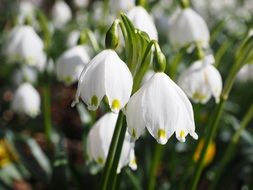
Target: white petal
(160,107)
(61,13)
(99,137)
(134,116)
(215,81)
(92,81)
(194,82)
(118,81)
(26,100)
(188,20)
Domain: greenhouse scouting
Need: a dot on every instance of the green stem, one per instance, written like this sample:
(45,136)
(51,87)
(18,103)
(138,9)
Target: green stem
(231,150)
(92,40)
(159,149)
(113,175)
(47,113)
(112,151)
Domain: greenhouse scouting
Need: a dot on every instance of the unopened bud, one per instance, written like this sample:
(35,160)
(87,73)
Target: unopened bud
(112,36)
(159,59)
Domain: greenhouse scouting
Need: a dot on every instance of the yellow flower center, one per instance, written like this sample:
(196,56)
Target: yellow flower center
(161,134)
(182,134)
(94,100)
(115,104)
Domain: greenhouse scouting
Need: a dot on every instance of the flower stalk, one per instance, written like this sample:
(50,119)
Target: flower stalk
(47,113)
(108,174)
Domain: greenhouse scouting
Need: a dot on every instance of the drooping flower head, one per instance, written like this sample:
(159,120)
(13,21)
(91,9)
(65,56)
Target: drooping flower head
(26,100)
(99,139)
(61,13)
(200,81)
(71,63)
(23,44)
(161,107)
(187,27)
(105,75)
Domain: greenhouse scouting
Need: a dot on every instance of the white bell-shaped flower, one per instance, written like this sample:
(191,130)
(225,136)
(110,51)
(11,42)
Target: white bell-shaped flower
(161,107)
(26,100)
(23,44)
(143,21)
(200,81)
(61,14)
(99,140)
(71,63)
(26,10)
(186,27)
(105,75)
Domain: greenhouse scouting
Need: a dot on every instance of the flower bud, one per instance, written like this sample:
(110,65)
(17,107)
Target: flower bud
(112,36)
(159,63)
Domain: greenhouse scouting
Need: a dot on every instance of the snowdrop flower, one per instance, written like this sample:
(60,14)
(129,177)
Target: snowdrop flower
(200,81)
(163,108)
(246,73)
(99,139)
(187,27)
(143,21)
(26,11)
(23,44)
(71,63)
(26,100)
(105,75)
(61,14)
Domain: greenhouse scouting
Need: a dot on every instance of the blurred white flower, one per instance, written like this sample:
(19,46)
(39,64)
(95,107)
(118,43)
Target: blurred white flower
(23,44)
(246,73)
(72,38)
(71,63)
(25,74)
(99,139)
(143,21)
(161,107)
(121,5)
(26,10)
(200,81)
(187,27)
(81,3)
(26,100)
(61,14)
(105,75)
